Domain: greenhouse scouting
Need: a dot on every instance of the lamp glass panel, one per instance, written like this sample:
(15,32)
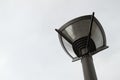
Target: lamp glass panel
(96,35)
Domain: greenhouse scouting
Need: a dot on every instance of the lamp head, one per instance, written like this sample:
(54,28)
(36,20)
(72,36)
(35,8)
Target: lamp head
(81,36)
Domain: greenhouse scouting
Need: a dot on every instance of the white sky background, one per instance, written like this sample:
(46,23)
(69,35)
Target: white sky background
(29,45)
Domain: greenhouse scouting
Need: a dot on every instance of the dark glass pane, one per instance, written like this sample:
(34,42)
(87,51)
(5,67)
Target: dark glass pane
(96,35)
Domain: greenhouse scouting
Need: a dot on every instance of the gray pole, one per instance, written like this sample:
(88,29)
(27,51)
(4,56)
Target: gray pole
(88,68)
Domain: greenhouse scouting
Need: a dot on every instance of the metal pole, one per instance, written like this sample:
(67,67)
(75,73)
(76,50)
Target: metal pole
(88,68)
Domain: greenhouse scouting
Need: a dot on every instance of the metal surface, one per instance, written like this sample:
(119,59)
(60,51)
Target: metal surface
(98,50)
(88,68)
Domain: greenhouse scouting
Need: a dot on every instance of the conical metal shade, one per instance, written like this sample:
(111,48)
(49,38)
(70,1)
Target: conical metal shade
(74,37)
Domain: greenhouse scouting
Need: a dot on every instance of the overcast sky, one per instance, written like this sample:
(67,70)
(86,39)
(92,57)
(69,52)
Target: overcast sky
(29,46)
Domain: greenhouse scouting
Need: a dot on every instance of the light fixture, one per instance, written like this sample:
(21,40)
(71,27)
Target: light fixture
(83,36)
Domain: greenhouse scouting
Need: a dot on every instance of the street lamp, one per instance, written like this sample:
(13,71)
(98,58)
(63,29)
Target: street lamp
(81,38)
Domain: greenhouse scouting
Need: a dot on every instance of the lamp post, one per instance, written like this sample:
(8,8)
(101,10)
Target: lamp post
(81,38)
